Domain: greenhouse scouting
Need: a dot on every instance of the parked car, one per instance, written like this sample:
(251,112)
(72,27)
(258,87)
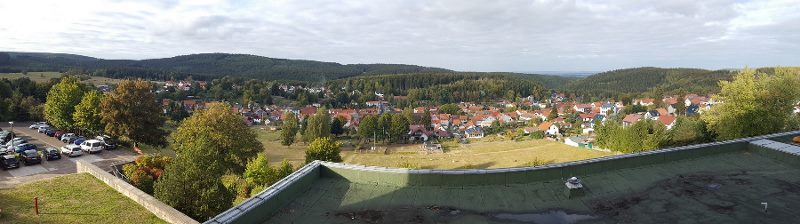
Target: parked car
(92,146)
(79,140)
(9,162)
(43,128)
(58,134)
(109,142)
(15,142)
(24,147)
(50,132)
(37,125)
(51,153)
(71,150)
(5,136)
(31,157)
(68,137)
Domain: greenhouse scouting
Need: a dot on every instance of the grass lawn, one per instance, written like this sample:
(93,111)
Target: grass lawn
(46,76)
(482,153)
(74,198)
(276,152)
(476,155)
(34,76)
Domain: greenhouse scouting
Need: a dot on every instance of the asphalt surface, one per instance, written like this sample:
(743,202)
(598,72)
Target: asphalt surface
(54,168)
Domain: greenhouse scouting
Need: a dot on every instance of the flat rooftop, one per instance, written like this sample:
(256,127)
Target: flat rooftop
(721,182)
(723,188)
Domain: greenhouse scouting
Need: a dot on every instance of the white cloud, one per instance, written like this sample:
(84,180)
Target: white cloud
(511,35)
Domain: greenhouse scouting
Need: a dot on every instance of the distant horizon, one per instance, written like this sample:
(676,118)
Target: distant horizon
(573,73)
(482,36)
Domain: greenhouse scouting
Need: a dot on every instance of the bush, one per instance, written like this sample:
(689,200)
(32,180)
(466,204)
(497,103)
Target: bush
(145,171)
(537,135)
(325,149)
(538,162)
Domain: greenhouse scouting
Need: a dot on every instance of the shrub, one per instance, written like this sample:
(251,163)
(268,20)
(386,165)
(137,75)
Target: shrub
(325,149)
(145,171)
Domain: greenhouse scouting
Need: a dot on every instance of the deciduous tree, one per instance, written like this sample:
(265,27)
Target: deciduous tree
(230,138)
(325,149)
(319,126)
(192,182)
(754,103)
(289,129)
(87,114)
(131,112)
(61,101)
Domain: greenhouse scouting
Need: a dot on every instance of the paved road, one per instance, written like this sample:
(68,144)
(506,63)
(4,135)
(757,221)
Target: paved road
(48,169)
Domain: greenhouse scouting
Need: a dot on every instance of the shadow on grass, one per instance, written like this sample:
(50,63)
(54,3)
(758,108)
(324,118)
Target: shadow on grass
(72,213)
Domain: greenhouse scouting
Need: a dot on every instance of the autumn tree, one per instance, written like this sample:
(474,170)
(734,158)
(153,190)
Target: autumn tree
(325,149)
(61,101)
(229,137)
(132,113)
(289,129)
(87,114)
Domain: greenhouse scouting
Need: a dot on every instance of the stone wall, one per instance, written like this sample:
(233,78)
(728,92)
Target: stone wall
(158,208)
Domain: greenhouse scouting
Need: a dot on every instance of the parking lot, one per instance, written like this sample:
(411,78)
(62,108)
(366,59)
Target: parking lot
(48,169)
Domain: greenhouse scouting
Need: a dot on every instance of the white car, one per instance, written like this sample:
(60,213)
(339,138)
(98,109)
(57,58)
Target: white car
(36,125)
(71,150)
(92,146)
(43,128)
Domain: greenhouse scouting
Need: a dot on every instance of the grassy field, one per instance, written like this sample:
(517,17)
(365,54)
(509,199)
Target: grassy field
(75,198)
(277,152)
(46,76)
(484,153)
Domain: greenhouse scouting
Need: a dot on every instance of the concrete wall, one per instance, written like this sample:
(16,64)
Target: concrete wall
(158,208)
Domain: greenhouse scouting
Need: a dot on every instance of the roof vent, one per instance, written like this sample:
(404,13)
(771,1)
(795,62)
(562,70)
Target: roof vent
(574,187)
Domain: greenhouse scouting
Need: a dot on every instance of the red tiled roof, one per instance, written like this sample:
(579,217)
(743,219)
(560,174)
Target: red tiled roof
(666,120)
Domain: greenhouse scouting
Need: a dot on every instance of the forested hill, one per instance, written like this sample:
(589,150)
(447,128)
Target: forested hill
(650,80)
(202,65)
(445,87)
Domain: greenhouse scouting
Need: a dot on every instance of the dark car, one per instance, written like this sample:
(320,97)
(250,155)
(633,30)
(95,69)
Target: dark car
(9,162)
(109,142)
(31,157)
(58,134)
(50,132)
(24,147)
(78,140)
(51,153)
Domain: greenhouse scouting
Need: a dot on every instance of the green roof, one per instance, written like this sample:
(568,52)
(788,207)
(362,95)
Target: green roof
(709,183)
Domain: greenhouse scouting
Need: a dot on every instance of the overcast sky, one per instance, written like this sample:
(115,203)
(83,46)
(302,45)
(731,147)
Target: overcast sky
(462,35)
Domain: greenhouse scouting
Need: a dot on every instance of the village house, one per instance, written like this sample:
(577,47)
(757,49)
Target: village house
(630,119)
(644,102)
(667,120)
(549,128)
(473,132)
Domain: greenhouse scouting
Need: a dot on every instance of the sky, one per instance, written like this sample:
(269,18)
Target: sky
(490,35)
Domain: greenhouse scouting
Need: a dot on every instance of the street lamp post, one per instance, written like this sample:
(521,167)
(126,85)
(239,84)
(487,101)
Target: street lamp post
(13,135)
